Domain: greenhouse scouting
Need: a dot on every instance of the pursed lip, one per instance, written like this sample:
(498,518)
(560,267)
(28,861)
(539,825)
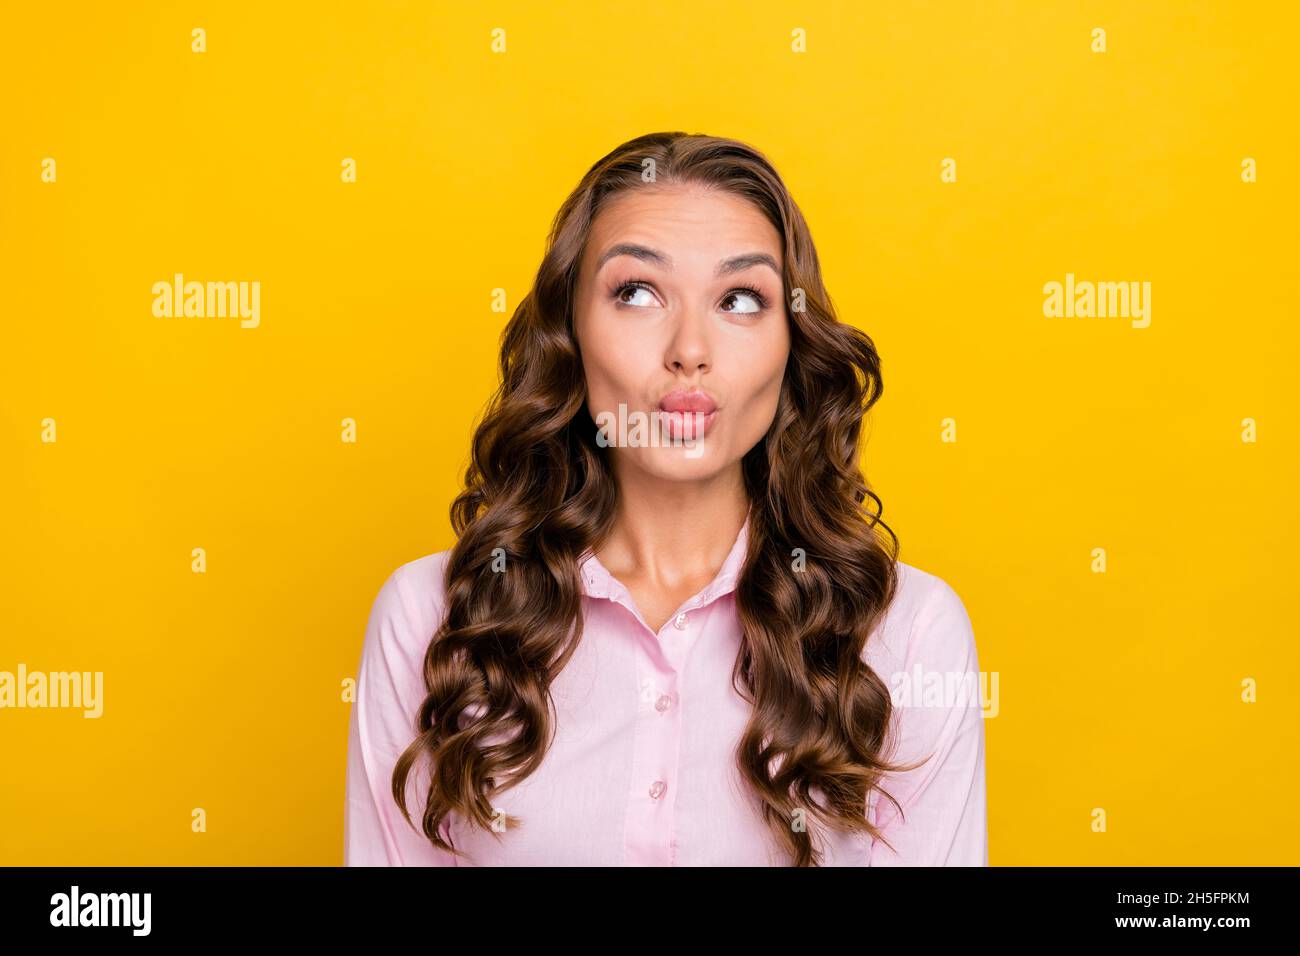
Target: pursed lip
(688,400)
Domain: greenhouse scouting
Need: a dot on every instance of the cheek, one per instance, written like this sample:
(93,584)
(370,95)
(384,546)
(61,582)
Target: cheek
(764,390)
(612,363)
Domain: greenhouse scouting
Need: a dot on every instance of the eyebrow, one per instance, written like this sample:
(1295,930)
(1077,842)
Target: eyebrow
(655,257)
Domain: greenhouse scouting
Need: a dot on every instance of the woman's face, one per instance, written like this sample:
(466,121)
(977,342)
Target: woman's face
(680,309)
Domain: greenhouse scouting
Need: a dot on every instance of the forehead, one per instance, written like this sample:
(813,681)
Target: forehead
(685,222)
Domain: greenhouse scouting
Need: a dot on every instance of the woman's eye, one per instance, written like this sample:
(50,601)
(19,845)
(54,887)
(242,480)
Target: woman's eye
(755,301)
(627,295)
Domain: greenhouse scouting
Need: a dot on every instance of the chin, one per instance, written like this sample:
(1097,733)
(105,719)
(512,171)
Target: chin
(681,463)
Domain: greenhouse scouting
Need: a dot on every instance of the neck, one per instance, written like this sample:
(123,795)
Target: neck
(668,532)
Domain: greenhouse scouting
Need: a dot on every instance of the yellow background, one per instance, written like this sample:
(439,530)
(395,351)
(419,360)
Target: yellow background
(1119,691)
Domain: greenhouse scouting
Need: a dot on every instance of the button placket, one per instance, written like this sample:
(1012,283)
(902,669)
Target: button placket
(649,833)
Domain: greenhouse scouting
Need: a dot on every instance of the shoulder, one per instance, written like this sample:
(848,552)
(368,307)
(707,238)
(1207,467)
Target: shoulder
(926,623)
(423,580)
(410,604)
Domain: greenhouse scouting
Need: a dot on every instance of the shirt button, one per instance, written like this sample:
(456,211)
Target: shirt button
(679,622)
(657,789)
(663,703)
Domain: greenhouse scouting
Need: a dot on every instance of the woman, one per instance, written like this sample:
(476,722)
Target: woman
(667,630)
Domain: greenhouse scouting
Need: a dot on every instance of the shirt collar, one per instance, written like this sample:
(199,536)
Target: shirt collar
(598,582)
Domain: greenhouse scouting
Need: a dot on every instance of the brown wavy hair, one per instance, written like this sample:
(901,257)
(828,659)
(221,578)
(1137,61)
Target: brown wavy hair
(539,487)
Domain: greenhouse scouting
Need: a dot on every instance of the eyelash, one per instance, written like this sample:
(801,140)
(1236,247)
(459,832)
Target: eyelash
(747,289)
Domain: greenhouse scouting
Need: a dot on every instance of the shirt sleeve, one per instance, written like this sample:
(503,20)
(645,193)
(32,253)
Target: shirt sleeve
(937,698)
(390,688)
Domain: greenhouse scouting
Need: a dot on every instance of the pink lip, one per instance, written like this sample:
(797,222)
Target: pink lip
(688,400)
(688,413)
(687,426)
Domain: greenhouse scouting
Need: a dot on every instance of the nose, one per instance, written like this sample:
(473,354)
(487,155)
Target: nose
(688,350)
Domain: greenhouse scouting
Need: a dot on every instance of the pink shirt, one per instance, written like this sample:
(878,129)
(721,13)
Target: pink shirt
(641,771)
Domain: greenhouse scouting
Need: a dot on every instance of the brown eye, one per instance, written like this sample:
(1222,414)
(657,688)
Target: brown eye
(756,303)
(625,294)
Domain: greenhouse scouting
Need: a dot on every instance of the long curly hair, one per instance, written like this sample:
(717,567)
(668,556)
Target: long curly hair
(540,489)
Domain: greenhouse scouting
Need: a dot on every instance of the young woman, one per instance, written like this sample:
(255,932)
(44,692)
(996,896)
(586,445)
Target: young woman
(670,632)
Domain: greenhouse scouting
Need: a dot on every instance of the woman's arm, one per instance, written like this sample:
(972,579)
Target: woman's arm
(943,820)
(390,687)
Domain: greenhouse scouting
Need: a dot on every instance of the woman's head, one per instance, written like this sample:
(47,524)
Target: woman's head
(679,270)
